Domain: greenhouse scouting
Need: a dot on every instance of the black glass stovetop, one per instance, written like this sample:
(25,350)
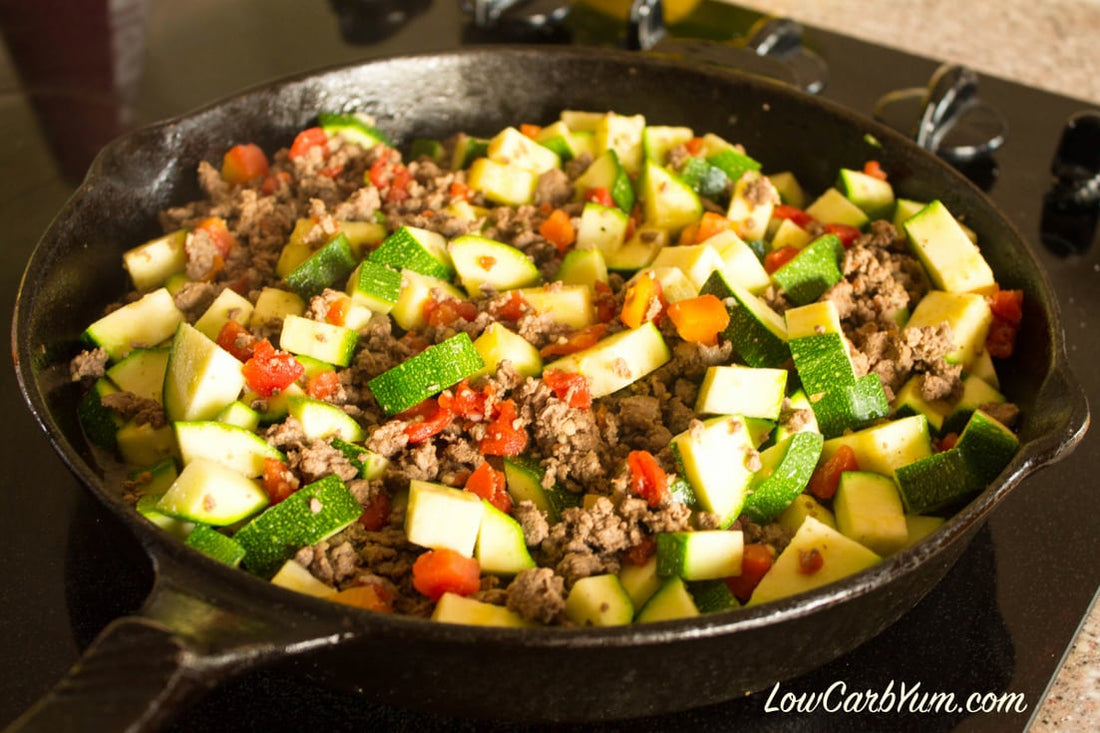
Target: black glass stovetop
(70,80)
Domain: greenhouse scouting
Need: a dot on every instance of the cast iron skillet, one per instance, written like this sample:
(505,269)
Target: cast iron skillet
(204,621)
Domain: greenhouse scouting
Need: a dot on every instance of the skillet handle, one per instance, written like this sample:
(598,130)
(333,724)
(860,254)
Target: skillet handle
(131,678)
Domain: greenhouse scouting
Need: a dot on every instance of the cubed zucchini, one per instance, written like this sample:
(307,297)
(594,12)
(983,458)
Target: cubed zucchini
(618,360)
(431,371)
(486,263)
(758,333)
(868,510)
(325,342)
(953,262)
(440,516)
(599,600)
(785,470)
(312,513)
(201,378)
(817,555)
(416,249)
(715,458)
(208,492)
(329,265)
(237,448)
(228,306)
(152,263)
(144,323)
(700,555)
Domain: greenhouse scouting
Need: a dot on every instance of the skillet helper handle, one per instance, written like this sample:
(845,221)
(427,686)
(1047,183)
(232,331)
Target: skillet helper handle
(131,678)
(1069,418)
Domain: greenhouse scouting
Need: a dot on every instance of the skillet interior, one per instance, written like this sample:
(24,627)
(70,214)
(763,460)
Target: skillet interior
(587,674)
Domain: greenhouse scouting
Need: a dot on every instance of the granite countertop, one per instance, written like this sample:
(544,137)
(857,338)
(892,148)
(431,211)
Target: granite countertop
(1050,45)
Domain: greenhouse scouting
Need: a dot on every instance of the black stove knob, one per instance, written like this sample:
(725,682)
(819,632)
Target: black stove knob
(1076,163)
(519,20)
(1071,206)
(948,118)
(370,21)
(645,25)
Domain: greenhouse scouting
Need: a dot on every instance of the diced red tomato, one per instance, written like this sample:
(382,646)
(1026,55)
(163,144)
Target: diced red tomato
(699,319)
(220,236)
(558,230)
(270,371)
(489,483)
(1000,342)
(448,310)
(425,420)
(576,341)
(502,436)
(376,514)
(778,257)
(235,338)
(874,169)
(459,191)
(600,196)
(846,233)
(570,387)
(695,146)
(640,553)
(756,560)
(399,186)
(337,313)
(274,181)
(323,384)
(371,596)
(530,130)
(511,307)
(465,401)
(1008,305)
(712,224)
(244,163)
(647,479)
(306,140)
(390,176)
(947,442)
(687,234)
(810,561)
(786,211)
(1008,314)
(380,171)
(445,571)
(240,286)
(279,481)
(826,476)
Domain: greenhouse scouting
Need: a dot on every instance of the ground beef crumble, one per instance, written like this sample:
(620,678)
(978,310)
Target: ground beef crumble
(89,364)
